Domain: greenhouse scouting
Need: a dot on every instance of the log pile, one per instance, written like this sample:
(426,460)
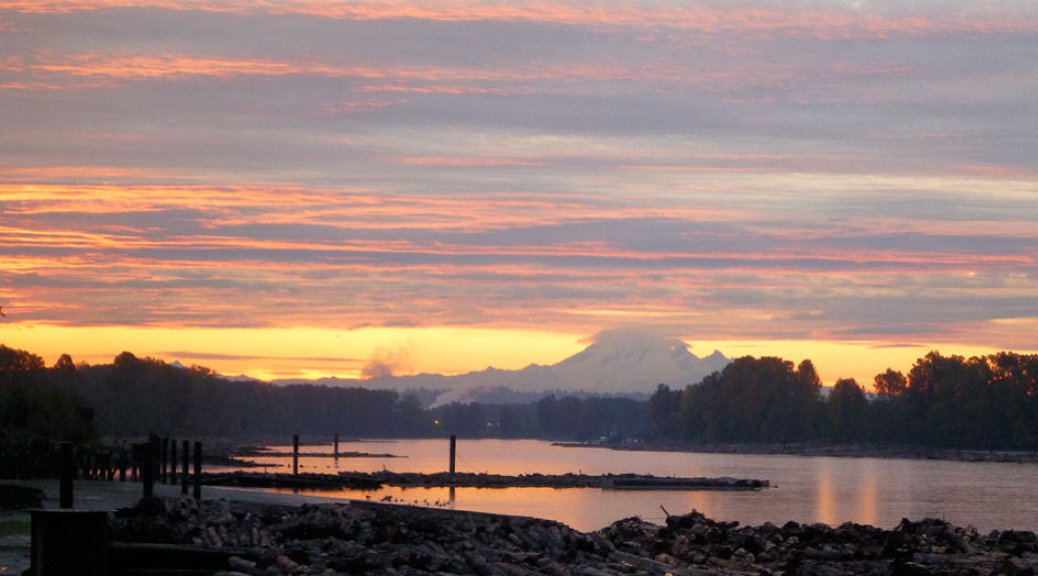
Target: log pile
(375,480)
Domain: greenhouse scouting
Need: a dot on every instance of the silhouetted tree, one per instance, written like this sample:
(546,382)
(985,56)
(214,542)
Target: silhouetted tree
(890,384)
(752,400)
(664,407)
(34,404)
(848,411)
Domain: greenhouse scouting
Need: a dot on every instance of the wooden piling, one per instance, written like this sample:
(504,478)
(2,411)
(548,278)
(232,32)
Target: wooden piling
(295,454)
(184,477)
(172,463)
(163,459)
(148,470)
(198,471)
(156,457)
(454,452)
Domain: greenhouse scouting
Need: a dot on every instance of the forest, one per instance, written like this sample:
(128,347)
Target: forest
(984,402)
(988,402)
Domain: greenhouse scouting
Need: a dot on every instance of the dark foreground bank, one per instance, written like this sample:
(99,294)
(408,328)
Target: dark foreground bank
(370,538)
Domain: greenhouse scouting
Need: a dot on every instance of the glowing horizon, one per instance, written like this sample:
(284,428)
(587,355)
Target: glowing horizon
(302,353)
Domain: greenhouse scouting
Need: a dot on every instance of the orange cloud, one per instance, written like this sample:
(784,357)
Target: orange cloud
(135,66)
(761,21)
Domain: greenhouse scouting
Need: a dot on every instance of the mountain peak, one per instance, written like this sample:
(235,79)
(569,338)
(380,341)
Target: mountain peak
(616,362)
(634,360)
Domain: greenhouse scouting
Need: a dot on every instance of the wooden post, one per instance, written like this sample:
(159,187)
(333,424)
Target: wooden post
(198,471)
(148,470)
(68,469)
(454,451)
(67,542)
(163,460)
(156,451)
(295,455)
(184,477)
(172,461)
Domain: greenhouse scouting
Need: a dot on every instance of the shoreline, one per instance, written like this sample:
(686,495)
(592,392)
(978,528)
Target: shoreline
(376,539)
(275,533)
(808,450)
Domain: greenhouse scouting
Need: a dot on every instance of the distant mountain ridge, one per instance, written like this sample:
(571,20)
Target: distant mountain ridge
(617,362)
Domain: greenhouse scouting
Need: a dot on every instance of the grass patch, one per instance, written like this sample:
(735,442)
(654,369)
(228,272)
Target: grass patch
(15,527)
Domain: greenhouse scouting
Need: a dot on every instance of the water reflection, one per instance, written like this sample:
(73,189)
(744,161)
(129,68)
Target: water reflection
(868,497)
(830,490)
(846,490)
(825,506)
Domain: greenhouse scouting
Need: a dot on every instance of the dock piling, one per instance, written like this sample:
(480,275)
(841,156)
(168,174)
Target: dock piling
(184,478)
(454,452)
(198,471)
(295,454)
(148,469)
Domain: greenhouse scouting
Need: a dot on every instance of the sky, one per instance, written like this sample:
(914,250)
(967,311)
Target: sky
(306,188)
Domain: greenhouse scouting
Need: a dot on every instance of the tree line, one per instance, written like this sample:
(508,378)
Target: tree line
(986,402)
(983,402)
(133,397)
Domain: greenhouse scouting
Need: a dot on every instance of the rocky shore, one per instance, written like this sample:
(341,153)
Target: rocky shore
(238,538)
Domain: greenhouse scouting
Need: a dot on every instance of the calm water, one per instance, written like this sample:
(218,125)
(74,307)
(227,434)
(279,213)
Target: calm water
(872,491)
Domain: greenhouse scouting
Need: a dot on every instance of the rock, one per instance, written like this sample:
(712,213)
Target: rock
(1016,567)
(911,569)
(373,538)
(240,564)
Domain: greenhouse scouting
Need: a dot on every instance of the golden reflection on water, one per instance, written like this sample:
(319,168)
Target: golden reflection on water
(826,504)
(838,502)
(868,498)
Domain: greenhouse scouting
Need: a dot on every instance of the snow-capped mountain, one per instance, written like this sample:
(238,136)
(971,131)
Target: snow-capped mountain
(617,362)
(626,361)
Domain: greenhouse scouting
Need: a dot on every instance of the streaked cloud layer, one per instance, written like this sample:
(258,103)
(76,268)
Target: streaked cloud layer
(379,178)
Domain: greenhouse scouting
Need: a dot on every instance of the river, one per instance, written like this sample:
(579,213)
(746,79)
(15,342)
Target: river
(879,492)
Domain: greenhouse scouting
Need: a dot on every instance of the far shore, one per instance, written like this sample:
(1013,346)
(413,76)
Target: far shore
(825,450)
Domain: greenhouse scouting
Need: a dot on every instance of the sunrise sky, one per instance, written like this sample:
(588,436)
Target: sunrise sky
(303,188)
